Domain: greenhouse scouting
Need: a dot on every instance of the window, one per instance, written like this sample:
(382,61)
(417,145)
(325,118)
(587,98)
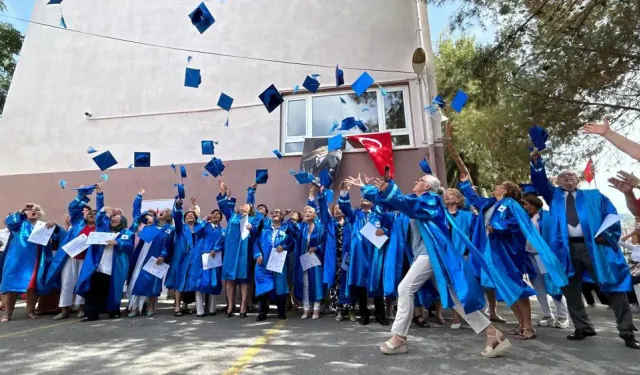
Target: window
(310,115)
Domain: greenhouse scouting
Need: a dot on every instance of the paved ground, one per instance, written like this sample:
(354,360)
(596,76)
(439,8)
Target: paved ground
(214,345)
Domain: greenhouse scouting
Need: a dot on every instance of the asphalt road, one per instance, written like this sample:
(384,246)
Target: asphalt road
(215,345)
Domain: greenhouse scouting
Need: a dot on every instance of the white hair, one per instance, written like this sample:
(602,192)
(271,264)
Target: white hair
(436,186)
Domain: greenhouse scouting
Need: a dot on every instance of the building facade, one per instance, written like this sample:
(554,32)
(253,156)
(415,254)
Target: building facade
(123,62)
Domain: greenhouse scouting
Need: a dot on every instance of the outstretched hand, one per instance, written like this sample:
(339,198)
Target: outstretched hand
(620,185)
(357,181)
(595,128)
(141,192)
(628,178)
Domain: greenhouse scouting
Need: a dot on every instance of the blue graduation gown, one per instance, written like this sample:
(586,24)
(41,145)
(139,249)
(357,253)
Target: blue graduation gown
(77,225)
(147,285)
(611,271)
(268,281)
(300,234)
(330,262)
(209,281)
(465,221)
(184,244)
(119,266)
(21,257)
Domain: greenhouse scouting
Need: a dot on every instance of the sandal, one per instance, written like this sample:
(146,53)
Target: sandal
(389,348)
(499,349)
(440,320)
(521,335)
(421,323)
(32,316)
(177,313)
(518,330)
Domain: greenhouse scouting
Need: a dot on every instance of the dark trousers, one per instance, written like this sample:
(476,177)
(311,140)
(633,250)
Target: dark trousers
(632,294)
(581,261)
(360,293)
(281,304)
(96,300)
(587,291)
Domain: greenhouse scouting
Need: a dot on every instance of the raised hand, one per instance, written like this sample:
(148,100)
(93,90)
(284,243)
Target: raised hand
(620,185)
(628,178)
(355,181)
(179,203)
(98,188)
(141,192)
(223,186)
(287,212)
(344,186)
(595,128)
(193,201)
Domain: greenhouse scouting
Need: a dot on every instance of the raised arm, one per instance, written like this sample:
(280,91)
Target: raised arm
(226,203)
(251,195)
(622,143)
(323,208)
(99,199)
(539,178)
(344,202)
(423,207)
(137,205)
(177,215)
(14,221)
(76,206)
(471,195)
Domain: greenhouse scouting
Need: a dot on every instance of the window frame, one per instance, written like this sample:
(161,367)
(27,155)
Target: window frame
(382,118)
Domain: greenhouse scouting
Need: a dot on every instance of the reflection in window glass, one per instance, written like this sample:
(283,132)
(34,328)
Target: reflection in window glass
(296,118)
(394,110)
(293,147)
(401,140)
(330,108)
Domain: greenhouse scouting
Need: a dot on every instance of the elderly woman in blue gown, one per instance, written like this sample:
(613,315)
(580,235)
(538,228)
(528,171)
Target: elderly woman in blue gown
(26,263)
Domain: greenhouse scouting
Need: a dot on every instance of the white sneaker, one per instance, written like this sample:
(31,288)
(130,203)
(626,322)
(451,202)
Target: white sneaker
(305,315)
(456,326)
(546,321)
(339,317)
(561,323)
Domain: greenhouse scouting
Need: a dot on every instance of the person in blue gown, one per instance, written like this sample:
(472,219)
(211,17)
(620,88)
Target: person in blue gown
(106,267)
(577,215)
(188,231)
(207,282)
(336,258)
(26,263)
(155,240)
(437,259)
(274,238)
(235,258)
(366,260)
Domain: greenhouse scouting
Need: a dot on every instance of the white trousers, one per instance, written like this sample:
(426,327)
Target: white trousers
(200,303)
(69,276)
(543,299)
(306,304)
(136,303)
(419,273)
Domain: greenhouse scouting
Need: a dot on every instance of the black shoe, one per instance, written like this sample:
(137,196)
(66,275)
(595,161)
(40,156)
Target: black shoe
(243,314)
(580,334)
(90,319)
(261,317)
(363,321)
(201,315)
(114,315)
(630,341)
(213,313)
(420,322)
(228,314)
(382,320)
(282,316)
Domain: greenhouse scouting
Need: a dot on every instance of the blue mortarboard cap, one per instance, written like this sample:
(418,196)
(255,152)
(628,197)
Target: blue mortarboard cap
(361,126)
(439,101)
(149,233)
(304,177)
(277,153)
(183,171)
(296,88)
(105,161)
(538,137)
(325,178)
(85,189)
(225,102)
(54,2)
(262,175)
(271,98)
(311,84)
(362,83)
(329,194)
(141,159)
(207,147)
(528,188)
(335,142)
(201,18)
(424,165)
(348,123)
(192,78)
(339,77)
(459,101)
(180,187)
(63,184)
(91,150)
(215,167)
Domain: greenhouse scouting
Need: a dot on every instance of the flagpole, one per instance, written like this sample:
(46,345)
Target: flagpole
(593,168)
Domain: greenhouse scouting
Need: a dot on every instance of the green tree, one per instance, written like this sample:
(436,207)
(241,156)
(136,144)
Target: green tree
(554,63)
(10,45)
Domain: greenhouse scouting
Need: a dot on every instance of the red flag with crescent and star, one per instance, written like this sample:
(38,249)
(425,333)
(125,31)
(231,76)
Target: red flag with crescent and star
(589,171)
(379,147)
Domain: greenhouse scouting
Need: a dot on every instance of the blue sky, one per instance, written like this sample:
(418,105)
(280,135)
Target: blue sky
(20,9)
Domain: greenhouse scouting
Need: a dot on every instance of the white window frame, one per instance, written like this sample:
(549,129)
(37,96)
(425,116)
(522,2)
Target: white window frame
(382,118)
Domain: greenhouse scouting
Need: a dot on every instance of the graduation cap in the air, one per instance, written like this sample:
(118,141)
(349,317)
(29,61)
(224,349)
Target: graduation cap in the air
(91,150)
(459,101)
(439,101)
(271,98)
(311,84)
(142,159)
(183,171)
(277,153)
(538,137)
(85,189)
(207,147)
(349,123)
(225,102)
(215,167)
(54,2)
(63,184)
(362,83)
(424,165)
(105,160)
(262,175)
(304,177)
(339,76)
(528,188)
(201,18)
(192,78)
(325,178)
(335,142)
(180,187)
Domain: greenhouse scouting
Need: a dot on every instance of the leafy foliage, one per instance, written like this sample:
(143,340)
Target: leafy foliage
(10,45)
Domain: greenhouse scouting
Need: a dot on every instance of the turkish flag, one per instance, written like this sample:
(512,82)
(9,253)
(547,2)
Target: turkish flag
(589,171)
(379,147)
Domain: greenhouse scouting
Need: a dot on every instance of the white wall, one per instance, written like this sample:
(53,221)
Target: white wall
(62,74)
